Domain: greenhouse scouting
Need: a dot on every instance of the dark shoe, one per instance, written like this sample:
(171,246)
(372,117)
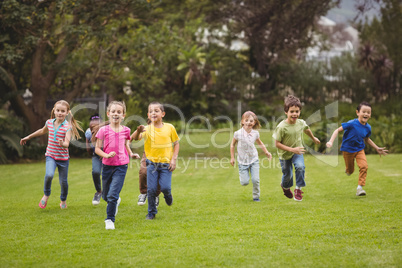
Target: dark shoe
(287,192)
(150,217)
(97,198)
(169,200)
(256,200)
(298,195)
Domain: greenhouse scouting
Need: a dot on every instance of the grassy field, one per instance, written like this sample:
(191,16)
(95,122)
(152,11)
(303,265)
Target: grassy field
(213,221)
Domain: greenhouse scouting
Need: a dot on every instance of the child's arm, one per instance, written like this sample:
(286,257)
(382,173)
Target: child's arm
(331,141)
(380,151)
(232,151)
(101,153)
(311,135)
(137,133)
(130,153)
(295,150)
(262,146)
(172,164)
(37,133)
(66,142)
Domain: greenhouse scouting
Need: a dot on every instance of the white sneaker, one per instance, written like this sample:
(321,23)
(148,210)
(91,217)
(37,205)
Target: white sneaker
(360,192)
(142,198)
(109,225)
(157,201)
(117,206)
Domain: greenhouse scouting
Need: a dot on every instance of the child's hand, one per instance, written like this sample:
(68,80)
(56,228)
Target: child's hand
(382,151)
(141,128)
(172,165)
(23,141)
(329,144)
(61,141)
(232,161)
(135,156)
(111,154)
(269,155)
(316,140)
(299,150)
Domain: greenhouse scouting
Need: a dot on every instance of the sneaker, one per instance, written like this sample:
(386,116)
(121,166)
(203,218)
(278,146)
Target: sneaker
(96,199)
(169,200)
(298,195)
(256,200)
(347,173)
(109,225)
(142,198)
(63,206)
(150,217)
(42,203)
(287,192)
(157,201)
(360,192)
(117,206)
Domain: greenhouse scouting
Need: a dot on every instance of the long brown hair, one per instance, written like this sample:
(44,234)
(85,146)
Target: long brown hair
(257,124)
(75,124)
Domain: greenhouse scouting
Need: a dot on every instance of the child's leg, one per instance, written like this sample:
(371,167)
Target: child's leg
(244,175)
(363,166)
(165,182)
(107,173)
(287,173)
(96,172)
(63,174)
(143,175)
(116,184)
(349,162)
(50,169)
(298,162)
(255,178)
(152,181)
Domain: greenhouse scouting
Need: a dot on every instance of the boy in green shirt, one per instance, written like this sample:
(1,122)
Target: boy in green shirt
(288,137)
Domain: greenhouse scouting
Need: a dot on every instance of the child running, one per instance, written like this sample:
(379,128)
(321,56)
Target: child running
(247,154)
(288,137)
(61,130)
(161,147)
(94,121)
(357,132)
(115,141)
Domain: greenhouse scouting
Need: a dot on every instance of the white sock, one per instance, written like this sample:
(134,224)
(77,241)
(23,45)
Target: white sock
(297,187)
(359,187)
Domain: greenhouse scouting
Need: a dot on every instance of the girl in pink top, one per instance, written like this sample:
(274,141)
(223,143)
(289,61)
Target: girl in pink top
(62,127)
(115,141)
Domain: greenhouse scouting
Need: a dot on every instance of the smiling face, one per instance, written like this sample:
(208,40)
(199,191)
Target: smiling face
(293,114)
(155,113)
(364,114)
(248,123)
(60,112)
(115,114)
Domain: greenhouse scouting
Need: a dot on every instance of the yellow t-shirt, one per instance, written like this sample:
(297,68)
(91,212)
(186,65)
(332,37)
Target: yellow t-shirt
(158,142)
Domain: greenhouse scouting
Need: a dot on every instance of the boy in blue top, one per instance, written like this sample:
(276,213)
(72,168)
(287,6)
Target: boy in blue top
(357,132)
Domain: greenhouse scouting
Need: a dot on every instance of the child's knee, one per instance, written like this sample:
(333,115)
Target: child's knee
(244,183)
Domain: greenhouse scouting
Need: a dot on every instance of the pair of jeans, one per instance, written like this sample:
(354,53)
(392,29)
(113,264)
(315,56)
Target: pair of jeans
(62,166)
(361,162)
(158,173)
(252,169)
(96,172)
(112,180)
(143,177)
(287,170)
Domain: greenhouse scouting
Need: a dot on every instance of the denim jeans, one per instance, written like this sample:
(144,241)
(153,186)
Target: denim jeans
(158,173)
(252,169)
(287,171)
(62,166)
(112,181)
(96,172)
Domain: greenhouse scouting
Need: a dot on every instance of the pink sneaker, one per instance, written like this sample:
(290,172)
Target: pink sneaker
(298,195)
(287,192)
(42,203)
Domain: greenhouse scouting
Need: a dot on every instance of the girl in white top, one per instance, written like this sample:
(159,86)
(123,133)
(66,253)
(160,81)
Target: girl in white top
(247,154)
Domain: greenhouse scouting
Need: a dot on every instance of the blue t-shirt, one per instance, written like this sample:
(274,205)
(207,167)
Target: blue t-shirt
(88,136)
(353,138)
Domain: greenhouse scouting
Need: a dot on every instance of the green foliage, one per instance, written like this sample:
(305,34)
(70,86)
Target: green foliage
(11,129)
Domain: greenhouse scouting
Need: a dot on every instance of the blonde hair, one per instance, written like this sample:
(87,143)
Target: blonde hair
(75,125)
(247,114)
(121,103)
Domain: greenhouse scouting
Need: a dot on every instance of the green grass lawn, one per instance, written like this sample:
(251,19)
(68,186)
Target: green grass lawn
(213,221)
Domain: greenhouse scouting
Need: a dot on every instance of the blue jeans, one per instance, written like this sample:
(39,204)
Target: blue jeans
(287,171)
(113,181)
(62,166)
(96,172)
(158,173)
(252,169)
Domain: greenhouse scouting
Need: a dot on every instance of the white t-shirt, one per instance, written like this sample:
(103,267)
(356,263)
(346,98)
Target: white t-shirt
(246,151)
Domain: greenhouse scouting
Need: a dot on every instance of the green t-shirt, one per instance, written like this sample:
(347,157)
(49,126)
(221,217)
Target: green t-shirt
(290,135)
